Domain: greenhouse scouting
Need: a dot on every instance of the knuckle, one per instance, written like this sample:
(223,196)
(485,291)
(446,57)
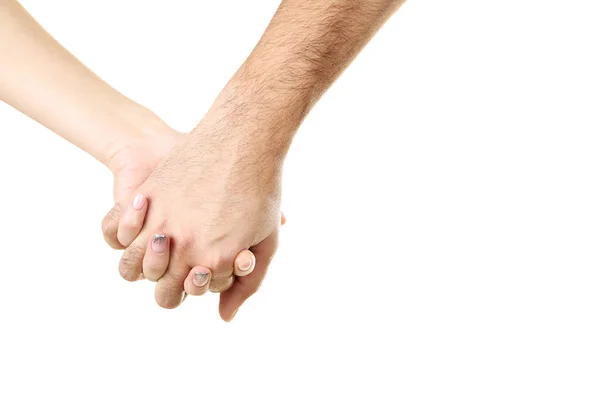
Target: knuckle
(222,272)
(108,224)
(160,226)
(130,264)
(105,227)
(186,243)
(128,273)
(180,247)
(110,221)
(114,213)
(220,285)
(221,264)
(169,298)
(177,270)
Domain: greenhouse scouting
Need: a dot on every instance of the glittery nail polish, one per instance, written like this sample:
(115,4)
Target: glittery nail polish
(200,278)
(159,244)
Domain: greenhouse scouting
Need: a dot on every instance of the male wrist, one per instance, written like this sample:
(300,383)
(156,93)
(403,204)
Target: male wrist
(254,117)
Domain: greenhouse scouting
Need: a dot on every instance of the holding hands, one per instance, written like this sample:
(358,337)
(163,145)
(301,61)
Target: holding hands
(192,221)
(201,211)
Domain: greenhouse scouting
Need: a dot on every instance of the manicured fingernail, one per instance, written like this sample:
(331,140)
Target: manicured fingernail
(138,202)
(246,264)
(159,244)
(200,278)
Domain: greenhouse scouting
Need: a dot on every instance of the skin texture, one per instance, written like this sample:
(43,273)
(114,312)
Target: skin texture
(219,191)
(44,81)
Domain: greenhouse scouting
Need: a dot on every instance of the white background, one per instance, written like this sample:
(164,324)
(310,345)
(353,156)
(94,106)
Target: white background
(443,206)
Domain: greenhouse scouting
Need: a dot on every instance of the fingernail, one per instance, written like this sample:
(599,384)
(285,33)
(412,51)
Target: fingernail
(159,244)
(200,278)
(246,264)
(138,202)
(233,315)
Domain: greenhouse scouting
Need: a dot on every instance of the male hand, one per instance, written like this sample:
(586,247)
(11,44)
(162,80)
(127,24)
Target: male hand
(208,205)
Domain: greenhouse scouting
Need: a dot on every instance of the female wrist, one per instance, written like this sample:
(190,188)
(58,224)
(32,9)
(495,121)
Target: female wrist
(132,127)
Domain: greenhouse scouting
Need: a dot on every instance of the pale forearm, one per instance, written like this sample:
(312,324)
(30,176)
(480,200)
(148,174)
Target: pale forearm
(44,81)
(304,49)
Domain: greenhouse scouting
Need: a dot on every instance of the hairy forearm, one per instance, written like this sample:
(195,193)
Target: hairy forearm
(305,48)
(44,81)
